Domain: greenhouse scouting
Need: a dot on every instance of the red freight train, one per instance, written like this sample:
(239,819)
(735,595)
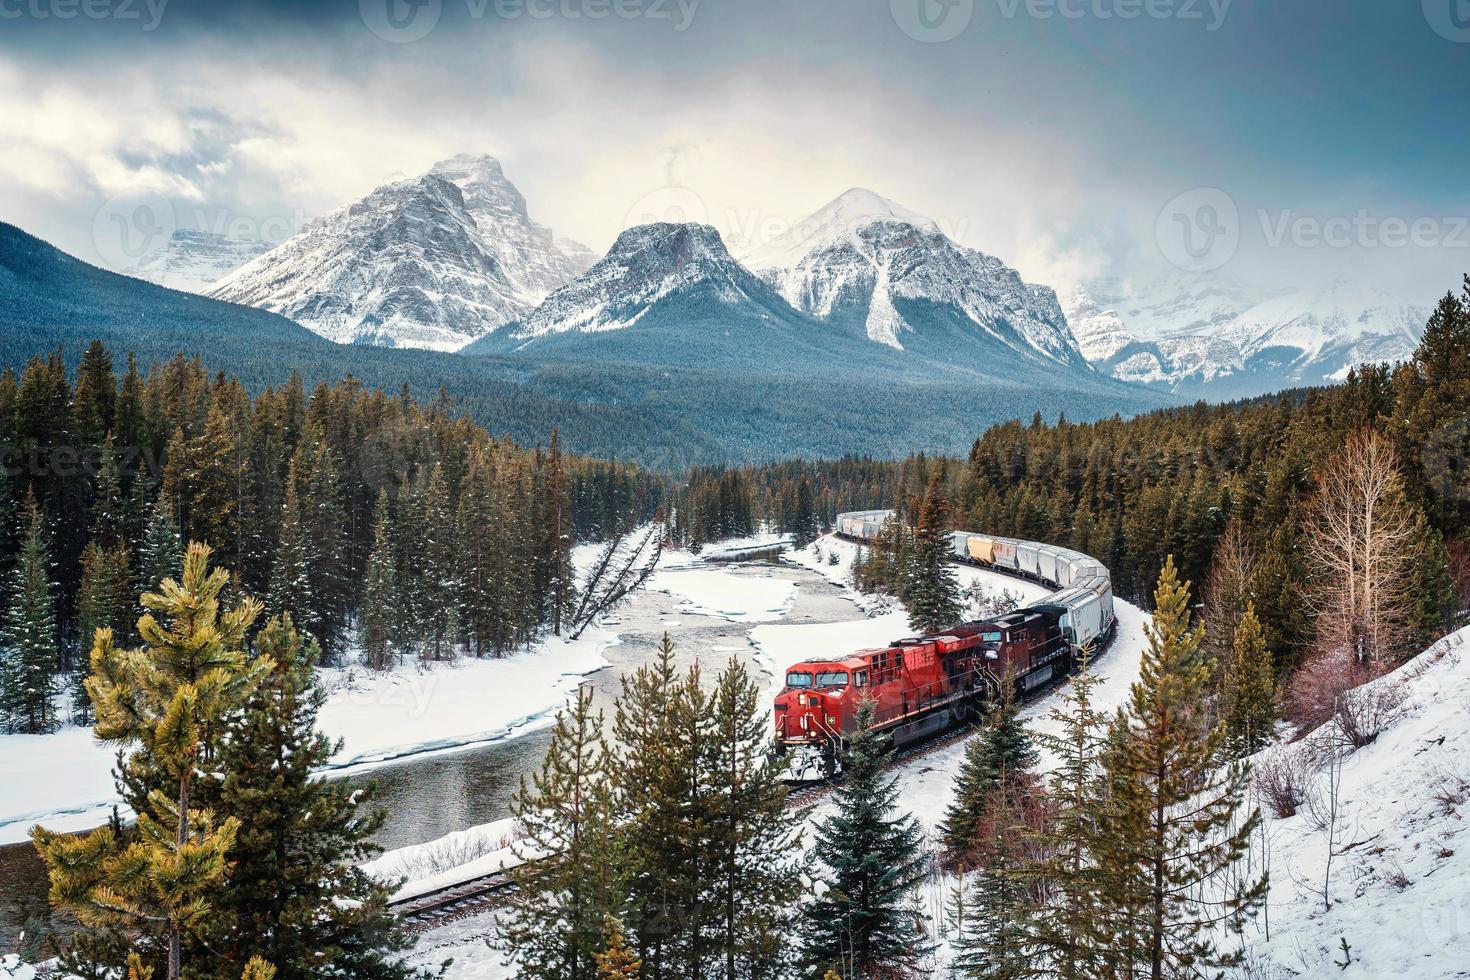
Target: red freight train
(918,686)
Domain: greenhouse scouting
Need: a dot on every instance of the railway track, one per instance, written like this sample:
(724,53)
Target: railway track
(479,895)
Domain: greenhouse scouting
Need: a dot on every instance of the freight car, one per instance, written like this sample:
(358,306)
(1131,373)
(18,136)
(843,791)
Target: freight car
(921,685)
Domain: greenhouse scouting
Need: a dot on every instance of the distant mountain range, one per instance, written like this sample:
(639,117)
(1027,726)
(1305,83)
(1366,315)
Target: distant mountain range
(1209,336)
(452,260)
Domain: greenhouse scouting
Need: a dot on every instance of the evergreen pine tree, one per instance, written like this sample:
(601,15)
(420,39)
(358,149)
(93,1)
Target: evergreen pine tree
(662,726)
(1248,696)
(291,583)
(1173,829)
(158,700)
(1070,931)
(556,534)
(556,926)
(1002,752)
(931,592)
(442,583)
(617,961)
(754,881)
(380,613)
(161,550)
(28,636)
(867,923)
(296,896)
(996,934)
(103,602)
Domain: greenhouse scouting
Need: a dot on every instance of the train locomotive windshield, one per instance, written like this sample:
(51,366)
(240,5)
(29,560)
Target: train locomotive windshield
(989,637)
(832,679)
(798,679)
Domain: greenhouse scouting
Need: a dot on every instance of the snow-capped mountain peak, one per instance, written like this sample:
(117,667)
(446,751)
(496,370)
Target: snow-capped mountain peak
(429,261)
(840,220)
(482,180)
(864,256)
(646,264)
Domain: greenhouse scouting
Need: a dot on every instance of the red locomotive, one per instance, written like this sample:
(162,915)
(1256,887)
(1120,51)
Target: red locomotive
(918,686)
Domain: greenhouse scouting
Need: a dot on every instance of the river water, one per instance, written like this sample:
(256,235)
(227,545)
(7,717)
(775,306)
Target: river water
(430,796)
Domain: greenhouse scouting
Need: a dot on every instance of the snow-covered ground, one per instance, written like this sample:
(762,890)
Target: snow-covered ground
(740,599)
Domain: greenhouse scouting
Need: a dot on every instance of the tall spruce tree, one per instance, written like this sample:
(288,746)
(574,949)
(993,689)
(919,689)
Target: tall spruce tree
(755,880)
(104,601)
(296,896)
(1248,689)
(1071,934)
(160,552)
(663,731)
(1002,754)
(442,587)
(380,607)
(556,926)
(158,700)
(28,634)
(1176,824)
(291,588)
(931,592)
(867,924)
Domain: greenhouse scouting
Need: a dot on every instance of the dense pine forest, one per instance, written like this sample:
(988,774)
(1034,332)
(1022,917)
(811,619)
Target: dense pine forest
(368,516)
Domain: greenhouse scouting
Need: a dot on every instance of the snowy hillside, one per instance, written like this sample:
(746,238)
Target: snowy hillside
(194,260)
(1395,843)
(431,261)
(864,257)
(1212,336)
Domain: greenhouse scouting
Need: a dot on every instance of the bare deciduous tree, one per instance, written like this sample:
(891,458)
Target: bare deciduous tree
(1360,537)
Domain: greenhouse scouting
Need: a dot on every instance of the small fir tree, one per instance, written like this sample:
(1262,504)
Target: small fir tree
(28,637)
(867,923)
(1248,695)
(161,549)
(1002,752)
(931,592)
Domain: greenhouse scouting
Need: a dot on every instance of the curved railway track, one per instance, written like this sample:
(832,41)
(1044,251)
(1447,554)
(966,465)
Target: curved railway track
(476,896)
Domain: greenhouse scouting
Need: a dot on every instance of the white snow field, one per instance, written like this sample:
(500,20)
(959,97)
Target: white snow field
(1399,891)
(739,599)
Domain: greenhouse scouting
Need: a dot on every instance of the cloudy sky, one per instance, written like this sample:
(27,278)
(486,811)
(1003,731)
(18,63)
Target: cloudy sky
(1281,141)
